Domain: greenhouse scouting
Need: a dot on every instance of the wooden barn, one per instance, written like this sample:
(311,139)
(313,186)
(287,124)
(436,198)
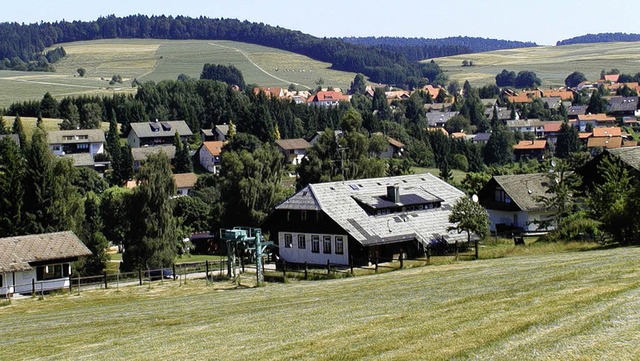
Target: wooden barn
(357,220)
(42,261)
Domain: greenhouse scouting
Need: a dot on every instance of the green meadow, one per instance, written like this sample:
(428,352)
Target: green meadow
(577,305)
(156,60)
(552,64)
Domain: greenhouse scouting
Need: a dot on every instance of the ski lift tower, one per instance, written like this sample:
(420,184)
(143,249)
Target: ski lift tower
(251,239)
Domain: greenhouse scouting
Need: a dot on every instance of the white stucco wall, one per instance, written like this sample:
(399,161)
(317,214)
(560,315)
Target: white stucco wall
(297,255)
(525,220)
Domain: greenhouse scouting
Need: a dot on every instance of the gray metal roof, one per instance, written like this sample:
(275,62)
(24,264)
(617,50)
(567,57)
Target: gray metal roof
(81,159)
(75,136)
(628,155)
(525,123)
(161,129)
(17,252)
(338,201)
(525,190)
(435,118)
(141,154)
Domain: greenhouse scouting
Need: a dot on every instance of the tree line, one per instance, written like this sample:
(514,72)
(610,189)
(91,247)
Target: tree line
(600,38)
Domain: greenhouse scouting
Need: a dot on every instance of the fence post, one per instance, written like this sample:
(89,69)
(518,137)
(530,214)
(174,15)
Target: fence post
(477,249)
(376,264)
(140,276)
(456,245)
(328,267)
(206,270)
(401,258)
(306,271)
(284,270)
(174,271)
(105,281)
(351,263)
(33,287)
(78,283)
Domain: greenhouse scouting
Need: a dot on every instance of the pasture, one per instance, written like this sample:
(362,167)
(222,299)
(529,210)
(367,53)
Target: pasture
(569,306)
(552,64)
(156,60)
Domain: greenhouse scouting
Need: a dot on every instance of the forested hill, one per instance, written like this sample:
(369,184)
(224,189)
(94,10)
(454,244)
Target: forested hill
(600,38)
(26,42)
(422,48)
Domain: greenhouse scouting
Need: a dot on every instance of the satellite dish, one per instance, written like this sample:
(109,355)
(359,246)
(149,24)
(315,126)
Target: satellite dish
(474,198)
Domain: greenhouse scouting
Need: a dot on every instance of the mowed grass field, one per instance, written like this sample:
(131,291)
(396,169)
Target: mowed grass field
(552,64)
(562,306)
(156,60)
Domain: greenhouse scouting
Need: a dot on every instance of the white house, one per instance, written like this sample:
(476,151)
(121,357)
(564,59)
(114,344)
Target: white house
(140,154)
(75,141)
(184,183)
(294,150)
(38,262)
(514,202)
(210,155)
(353,222)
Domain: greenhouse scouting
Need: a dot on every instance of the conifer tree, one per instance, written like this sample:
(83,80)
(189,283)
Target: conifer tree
(11,188)
(19,129)
(152,240)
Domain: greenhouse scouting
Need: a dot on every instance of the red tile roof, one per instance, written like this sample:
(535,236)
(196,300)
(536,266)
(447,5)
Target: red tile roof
(550,127)
(604,142)
(185,180)
(600,117)
(214,147)
(607,132)
(530,145)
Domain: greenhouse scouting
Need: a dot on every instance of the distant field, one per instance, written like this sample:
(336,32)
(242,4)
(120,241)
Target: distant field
(563,306)
(552,64)
(150,59)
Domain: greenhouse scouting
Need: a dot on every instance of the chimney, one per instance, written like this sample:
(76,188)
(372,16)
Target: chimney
(393,194)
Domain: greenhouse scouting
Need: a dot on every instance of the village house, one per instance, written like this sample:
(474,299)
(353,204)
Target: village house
(586,121)
(529,149)
(514,202)
(551,131)
(534,126)
(628,157)
(294,150)
(210,155)
(90,141)
(328,98)
(157,133)
(438,119)
(623,106)
(185,182)
(503,113)
(575,110)
(38,262)
(140,154)
(353,222)
(394,147)
(563,94)
(605,138)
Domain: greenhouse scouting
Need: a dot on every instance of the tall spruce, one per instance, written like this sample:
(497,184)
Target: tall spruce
(152,240)
(182,161)
(92,236)
(11,188)
(18,128)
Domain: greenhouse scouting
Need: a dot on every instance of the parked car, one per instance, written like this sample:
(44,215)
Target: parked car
(165,273)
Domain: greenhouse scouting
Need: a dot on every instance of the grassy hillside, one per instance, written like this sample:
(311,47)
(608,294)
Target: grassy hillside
(150,59)
(552,64)
(570,306)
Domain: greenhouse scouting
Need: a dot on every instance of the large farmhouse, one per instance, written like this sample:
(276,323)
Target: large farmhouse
(42,261)
(147,134)
(355,221)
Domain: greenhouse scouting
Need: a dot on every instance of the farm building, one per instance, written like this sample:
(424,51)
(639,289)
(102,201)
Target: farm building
(42,261)
(355,221)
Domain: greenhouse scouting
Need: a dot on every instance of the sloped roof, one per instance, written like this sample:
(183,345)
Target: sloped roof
(599,117)
(577,109)
(81,159)
(339,200)
(222,129)
(623,104)
(293,144)
(518,123)
(604,142)
(607,132)
(75,136)
(142,153)
(628,155)
(564,94)
(550,127)
(17,252)
(213,147)
(160,129)
(434,118)
(525,190)
(530,145)
(185,180)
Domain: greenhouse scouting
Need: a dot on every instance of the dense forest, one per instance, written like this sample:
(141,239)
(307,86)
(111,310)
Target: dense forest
(600,38)
(422,48)
(25,43)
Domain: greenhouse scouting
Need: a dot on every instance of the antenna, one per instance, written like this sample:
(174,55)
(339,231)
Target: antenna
(474,198)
